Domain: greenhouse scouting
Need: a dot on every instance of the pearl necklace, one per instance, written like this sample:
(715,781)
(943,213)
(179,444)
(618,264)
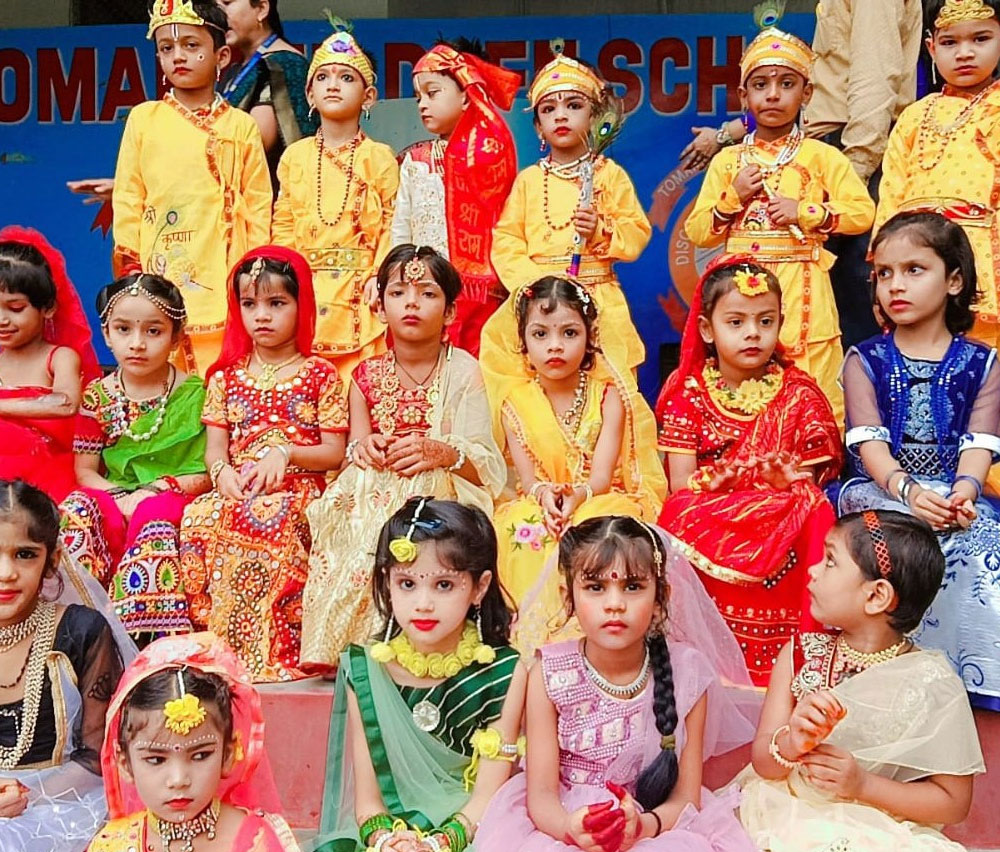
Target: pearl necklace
(44,618)
(159,406)
(320,148)
(190,829)
(858,661)
(787,153)
(624,690)
(12,634)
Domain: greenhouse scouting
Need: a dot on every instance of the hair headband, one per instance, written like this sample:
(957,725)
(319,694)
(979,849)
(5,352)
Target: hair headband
(138,288)
(879,543)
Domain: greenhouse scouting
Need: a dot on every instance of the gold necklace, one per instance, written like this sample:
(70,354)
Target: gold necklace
(858,661)
(268,377)
(929,126)
(190,829)
(34,681)
(751,397)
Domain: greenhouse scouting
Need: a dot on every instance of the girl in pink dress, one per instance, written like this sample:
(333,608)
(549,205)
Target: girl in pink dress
(619,723)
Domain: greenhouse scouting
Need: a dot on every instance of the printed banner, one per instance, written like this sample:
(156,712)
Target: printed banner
(65,94)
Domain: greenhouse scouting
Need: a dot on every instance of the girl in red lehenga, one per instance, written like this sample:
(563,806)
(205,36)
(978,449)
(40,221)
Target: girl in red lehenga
(749,440)
(45,358)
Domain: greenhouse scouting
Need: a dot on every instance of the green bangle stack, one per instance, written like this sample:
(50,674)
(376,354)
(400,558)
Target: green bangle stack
(376,822)
(453,829)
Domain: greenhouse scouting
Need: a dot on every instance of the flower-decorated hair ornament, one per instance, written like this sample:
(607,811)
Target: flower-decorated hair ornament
(528,293)
(749,283)
(257,270)
(957,11)
(403,548)
(138,288)
(185,713)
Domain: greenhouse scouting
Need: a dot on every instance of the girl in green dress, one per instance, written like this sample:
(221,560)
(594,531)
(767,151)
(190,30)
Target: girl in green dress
(425,724)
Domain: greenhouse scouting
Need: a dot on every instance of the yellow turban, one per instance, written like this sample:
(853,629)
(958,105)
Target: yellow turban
(563,74)
(775,47)
(342,49)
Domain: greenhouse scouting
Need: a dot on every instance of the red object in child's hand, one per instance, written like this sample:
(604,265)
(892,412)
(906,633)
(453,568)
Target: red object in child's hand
(619,792)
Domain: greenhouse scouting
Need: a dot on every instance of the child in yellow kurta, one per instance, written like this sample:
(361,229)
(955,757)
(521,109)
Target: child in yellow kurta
(336,202)
(192,192)
(778,196)
(535,234)
(944,153)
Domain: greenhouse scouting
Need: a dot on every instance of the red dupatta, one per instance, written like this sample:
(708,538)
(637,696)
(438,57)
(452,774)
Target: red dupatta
(68,326)
(249,783)
(236,342)
(480,162)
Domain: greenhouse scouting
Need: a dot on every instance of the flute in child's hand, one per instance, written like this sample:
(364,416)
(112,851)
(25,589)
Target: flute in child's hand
(586,197)
(795,230)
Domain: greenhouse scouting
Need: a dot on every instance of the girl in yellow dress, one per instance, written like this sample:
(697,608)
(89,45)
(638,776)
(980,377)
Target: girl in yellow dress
(548,216)
(420,426)
(581,439)
(336,202)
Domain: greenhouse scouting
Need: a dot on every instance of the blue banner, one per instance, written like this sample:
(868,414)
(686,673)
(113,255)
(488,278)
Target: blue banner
(65,93)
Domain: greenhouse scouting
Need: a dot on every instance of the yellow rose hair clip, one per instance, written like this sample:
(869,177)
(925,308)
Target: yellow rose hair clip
(403,548)
(750,283)
(183,714)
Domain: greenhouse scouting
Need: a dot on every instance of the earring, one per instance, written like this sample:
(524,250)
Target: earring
(312,112)
(218,73)
(164,79)
(745,121)
(382,651)
(934,73)
(542,144)
(479,623)
(367,113)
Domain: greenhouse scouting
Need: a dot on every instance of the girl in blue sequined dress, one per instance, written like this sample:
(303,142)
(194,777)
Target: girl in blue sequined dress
(923,416)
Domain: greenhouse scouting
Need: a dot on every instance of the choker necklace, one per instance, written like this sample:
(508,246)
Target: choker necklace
(471,649)
(268,377)
(857,661)
(623,690)
(12,634)
(189,829)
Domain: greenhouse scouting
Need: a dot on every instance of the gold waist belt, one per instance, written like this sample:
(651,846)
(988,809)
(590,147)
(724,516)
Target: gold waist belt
(771,247)
(970,214)
(592,270)
(340,258)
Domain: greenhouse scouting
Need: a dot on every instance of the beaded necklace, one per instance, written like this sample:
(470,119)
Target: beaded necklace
(567,171)
(623,690)
(320,148)
(929,126)
(157,404)
(750,157)
(44,620)
(570,418)
(899,386)
(848,660)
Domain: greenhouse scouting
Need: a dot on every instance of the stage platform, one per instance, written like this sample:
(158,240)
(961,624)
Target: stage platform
(298,719)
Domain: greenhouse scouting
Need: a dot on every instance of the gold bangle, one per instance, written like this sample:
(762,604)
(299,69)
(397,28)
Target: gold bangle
(215,470)
(775,752)
(587,490)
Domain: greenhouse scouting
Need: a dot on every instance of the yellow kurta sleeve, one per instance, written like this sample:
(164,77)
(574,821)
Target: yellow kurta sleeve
(129,194)
(702,226)
(386,184)
(623,230)
(510,252)
(848,208)
(255,186)
(283,221)
(896,165)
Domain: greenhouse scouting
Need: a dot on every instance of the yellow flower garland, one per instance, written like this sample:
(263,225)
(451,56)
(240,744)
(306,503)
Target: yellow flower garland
(436,665)
(751,397)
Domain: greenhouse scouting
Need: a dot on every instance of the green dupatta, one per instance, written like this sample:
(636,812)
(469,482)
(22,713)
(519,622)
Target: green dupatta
(419,777)
(177,448)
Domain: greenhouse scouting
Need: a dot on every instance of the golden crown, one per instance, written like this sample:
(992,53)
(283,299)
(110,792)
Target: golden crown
(776,47)
(957,11)
(564,74)
(173,12)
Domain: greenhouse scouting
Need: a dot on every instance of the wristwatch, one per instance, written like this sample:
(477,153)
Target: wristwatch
(723,137)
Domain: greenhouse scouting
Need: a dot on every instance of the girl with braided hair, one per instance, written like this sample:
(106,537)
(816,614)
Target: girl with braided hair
(621,721)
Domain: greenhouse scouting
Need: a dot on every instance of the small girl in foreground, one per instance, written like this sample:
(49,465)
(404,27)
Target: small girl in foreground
(425,724)
(420,425)
(140,457)
(923,418)
(183,757)
(46,357)
(276,420)
(58,664)
(865,742)
(620,722)
(750,441)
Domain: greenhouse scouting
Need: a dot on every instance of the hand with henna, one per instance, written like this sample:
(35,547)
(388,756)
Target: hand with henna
(633,821)
(597,828)
(781,470)
(413,454)
(725,474)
